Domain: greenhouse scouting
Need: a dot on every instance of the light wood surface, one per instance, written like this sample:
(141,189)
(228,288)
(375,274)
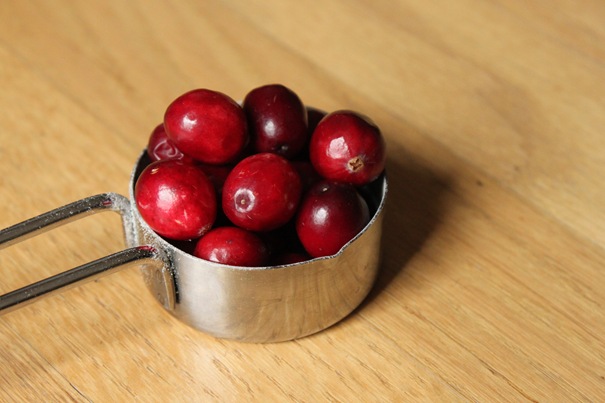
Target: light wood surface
(492,286)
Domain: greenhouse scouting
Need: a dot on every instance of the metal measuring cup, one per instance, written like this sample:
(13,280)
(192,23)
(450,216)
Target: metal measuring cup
(252,304)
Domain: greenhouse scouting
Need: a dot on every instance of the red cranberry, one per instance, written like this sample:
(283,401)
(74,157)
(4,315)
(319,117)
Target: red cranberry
(176,199)
(160,147)
(277,120)
(348,147)
(232,246)
(262,192)
(207,125)
(330,215)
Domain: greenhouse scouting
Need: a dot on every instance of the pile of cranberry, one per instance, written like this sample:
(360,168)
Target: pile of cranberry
(267,182)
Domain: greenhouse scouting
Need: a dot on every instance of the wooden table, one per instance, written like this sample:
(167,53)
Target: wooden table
(493,275)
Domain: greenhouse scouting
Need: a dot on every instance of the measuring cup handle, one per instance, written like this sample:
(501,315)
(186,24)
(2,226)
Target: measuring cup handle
(147,256)
(68,213)
(77,276)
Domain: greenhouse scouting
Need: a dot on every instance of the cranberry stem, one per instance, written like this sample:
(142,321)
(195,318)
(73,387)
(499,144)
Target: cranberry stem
(355,164)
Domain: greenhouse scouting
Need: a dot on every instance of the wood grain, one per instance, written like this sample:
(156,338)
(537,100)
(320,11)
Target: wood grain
(491,287)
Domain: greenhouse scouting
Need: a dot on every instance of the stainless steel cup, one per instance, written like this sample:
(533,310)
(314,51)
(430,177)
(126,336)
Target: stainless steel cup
(252,304)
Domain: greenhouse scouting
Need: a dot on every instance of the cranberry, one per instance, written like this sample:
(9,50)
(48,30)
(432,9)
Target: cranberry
(232,246)
(277,119)
(348,147)
(330,215)
(176,199)
(160,147)
(207,125)
(262,192)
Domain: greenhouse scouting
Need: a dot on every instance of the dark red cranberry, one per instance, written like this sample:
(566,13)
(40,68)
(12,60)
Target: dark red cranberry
(176,199)
(330,215)
(207,125)
(348,147)
(232,246)
(262,192)
(160,147)
(277,120)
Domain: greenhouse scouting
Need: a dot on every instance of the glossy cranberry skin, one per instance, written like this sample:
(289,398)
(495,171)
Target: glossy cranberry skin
(160,147)
(207,125)
(330,215)
(348,147)
(262,192)
(232,246)
(176,199)
(277,120)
